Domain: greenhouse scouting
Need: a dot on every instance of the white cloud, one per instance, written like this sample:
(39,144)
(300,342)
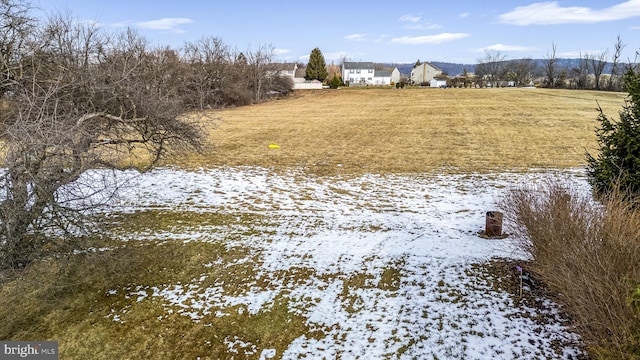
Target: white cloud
(356,37)
(414,23)
(410,18)
(464,15)
(280,51)
(572,54)
(120,24)
(168,24)
(425,26)
(429,39)
(547,13)
(578,54)
(503,47)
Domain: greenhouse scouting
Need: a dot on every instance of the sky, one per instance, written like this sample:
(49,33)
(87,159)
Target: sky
(401,31)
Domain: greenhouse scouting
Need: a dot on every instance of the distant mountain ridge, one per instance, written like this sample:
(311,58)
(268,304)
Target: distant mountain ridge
(453,69)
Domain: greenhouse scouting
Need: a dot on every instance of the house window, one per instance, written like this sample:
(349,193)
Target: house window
(358,71)
(369,79)
(370,71)
(352,71)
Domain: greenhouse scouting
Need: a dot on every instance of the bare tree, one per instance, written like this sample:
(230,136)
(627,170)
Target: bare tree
(84,101)
(521,71)
(580,74)
(481,71)
(614,81)
(598,63)
(238,89)
(209,61)
(550,67)
(218,76)
(259,70)
(492,67)
(561,79)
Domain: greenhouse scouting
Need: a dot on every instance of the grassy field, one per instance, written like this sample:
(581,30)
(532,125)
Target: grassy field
(410,130)
(215,246)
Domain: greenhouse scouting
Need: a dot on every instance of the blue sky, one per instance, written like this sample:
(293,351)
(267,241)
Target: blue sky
(380,31)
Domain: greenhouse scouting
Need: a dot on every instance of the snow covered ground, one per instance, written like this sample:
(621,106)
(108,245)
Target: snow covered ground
(420,228)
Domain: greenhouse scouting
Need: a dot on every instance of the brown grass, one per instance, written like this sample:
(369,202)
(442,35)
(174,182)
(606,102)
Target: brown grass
(67,300)
(411,130)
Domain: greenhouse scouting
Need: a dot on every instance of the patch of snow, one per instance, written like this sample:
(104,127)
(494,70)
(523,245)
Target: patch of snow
(424,226)
(238,346)
(267,354)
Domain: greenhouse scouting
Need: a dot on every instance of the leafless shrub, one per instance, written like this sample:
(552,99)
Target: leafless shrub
(589,254)
(219,76)
(82,99)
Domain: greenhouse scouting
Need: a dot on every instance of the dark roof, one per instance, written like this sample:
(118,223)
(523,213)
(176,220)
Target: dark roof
(382,73)
(435,67)
(284,66)
(358,65)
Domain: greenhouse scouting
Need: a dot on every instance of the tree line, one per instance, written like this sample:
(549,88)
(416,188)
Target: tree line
(207,70)
(589,74)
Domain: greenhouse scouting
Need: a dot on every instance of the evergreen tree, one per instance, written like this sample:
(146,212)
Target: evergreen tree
(618,163)
(335,82)
(241,59)
(316,68)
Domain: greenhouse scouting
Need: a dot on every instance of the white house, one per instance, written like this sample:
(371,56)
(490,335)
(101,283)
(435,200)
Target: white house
(285,69)
(424,73)
(395,76)
(357,73)
(364,73)
(381,77)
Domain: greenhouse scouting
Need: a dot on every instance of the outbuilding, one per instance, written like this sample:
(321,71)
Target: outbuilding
(438,83)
